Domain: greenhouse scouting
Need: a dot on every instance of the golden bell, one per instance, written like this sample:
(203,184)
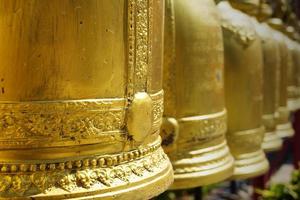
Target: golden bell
(194,123)
(292,31)
(297,73)
(243,92)
(283,125)
(271,78)
(291,68)
(81,100)
(271,64)
(271,57)
(294,71)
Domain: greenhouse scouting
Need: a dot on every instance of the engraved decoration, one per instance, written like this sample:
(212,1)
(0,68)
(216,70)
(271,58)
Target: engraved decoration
(90,174)
(202,128)
(31,123)
(139,27)
(66,122)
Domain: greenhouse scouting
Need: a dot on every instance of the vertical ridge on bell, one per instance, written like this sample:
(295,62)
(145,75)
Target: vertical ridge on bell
(138,37)
(82,100)
(243,92)
(271,64)
(194,125)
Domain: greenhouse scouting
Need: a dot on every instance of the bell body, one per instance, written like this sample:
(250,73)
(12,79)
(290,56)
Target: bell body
(195,116)
(81,101)
(296,75)
(271,67)
(243,92)
(291,74)
(283,125)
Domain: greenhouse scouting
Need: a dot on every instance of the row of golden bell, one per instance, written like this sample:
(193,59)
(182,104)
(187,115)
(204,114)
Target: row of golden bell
(82,101)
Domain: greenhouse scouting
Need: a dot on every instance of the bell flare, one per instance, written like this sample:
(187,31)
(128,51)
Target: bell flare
(272,142)
(210,173)
(250,165)
(285,130)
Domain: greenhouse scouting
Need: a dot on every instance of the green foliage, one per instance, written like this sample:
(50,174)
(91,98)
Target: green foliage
(290,191)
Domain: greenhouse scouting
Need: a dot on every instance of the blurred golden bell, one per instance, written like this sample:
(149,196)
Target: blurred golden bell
(271,58)
(283,125)
(292,54)
(271,66)
(243,92)
(297,73)
(81,100)
(195,116)
(294,74)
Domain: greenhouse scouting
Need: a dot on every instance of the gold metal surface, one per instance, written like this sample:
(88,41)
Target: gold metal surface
(195,118)
(81,99)
(283,125)
(264,11)
(271,58)
(297,73)
(243,92)
(248,6)
(291,77)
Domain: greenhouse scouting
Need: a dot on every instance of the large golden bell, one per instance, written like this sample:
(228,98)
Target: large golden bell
(243,92)
(81,99)
(271,57)
(283,125)
(195,116)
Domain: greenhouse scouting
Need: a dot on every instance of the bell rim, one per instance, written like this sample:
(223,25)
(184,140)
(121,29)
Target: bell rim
(150,183)
(250,166)
(272,142)
(219,167)
(285,130)
(202,178)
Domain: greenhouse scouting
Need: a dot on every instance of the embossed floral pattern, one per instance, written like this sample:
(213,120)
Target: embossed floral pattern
(36,182)
(59,121)
(32,123)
